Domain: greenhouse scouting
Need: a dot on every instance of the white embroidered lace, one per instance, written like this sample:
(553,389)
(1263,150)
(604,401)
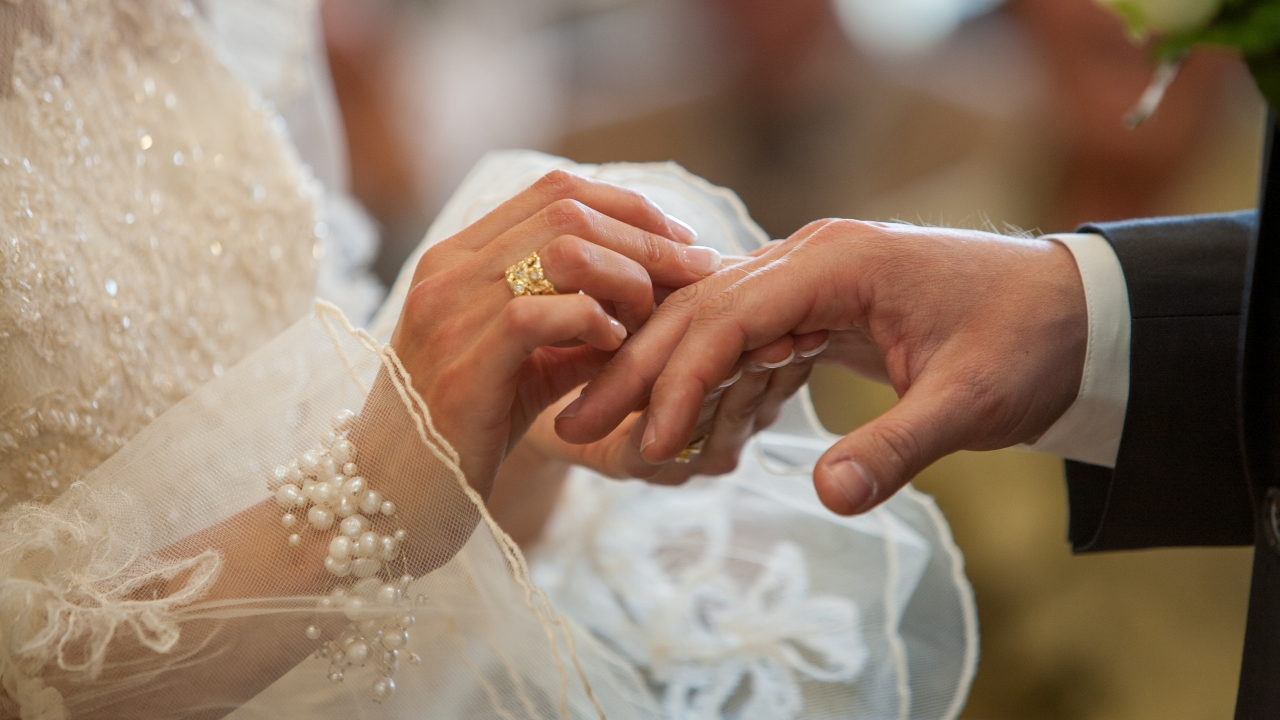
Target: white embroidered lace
(701,605)
(156,230)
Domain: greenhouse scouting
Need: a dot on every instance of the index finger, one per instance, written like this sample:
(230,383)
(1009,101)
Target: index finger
(667,262)
(750,313)
(620,203)
(628,378)
(625,382)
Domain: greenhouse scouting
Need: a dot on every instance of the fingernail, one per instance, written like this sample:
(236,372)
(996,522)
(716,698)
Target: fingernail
(736,377)
(650,434)
(783,363)
(700,260)
(617,329)
(855,484)
(806,354)
(571,409)
(683,229)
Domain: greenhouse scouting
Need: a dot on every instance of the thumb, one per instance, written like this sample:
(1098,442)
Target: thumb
(870,464)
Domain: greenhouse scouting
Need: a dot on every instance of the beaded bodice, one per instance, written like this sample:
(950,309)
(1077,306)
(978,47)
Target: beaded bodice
(154,228)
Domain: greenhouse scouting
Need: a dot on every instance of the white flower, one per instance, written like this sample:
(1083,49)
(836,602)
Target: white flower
(723,634)
(711,639)
(1164,16)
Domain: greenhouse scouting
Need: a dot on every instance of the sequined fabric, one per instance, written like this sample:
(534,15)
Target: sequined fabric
(154,228)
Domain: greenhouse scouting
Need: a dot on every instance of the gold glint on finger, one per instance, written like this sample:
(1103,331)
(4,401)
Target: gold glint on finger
(691,451)
(526,278)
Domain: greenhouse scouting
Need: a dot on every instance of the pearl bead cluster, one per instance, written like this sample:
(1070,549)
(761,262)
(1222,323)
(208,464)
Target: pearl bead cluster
(320,490)
(377,635)
(323,483)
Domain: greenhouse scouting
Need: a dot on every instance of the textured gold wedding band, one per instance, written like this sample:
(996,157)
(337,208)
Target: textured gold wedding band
(691,451)
(526,278)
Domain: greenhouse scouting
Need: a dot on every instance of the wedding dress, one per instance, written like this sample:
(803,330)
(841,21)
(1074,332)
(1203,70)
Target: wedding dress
(183,441)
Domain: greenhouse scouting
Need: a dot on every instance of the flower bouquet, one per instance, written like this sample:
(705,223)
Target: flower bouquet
(1174,27)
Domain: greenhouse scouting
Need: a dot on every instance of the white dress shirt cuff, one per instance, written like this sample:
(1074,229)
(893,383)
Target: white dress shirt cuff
(1089,431)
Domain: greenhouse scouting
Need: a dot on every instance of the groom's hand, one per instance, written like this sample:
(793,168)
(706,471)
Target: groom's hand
(729,416)
(982,336)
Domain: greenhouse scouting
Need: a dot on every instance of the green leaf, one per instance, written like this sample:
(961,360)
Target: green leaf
(1266,73)
(1135,18)
(1249,26)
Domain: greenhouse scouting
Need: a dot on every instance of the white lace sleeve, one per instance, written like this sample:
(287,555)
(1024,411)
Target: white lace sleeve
(261,525)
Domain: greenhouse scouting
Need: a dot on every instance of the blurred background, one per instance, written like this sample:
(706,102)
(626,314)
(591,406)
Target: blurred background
(967,113)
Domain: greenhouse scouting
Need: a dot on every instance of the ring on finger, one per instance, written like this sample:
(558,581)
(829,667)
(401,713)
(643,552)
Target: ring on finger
(527,278)
(692,450)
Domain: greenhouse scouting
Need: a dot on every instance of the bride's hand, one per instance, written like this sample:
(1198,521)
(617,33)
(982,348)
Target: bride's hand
(487,363)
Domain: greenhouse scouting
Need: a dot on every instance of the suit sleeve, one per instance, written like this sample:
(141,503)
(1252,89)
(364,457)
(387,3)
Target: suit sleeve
(1179,474)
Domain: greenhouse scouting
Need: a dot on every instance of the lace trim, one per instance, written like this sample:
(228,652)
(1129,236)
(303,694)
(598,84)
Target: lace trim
(660,577)
(72,583)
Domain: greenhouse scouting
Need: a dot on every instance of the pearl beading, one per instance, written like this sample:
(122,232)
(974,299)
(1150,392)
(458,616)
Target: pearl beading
(321,491)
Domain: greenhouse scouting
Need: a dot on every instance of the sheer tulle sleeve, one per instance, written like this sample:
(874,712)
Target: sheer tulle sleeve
(293,539)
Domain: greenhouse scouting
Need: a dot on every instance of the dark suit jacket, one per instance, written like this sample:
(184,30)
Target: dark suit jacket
(1199,457)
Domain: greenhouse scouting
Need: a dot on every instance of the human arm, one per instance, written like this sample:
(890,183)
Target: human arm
(1175,481)
(987,369)
(899,302)
(219,577)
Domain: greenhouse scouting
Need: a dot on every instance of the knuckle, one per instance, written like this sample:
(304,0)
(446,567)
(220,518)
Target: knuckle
(431,262)
(565,215)
(721,304)
(653,248)
(568,254)
(424,297)
(646,205)
(688,297)
(833,232)
(559,183)
(520,316)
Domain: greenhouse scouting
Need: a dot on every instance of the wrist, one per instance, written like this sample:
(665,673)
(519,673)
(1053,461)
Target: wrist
(526,491)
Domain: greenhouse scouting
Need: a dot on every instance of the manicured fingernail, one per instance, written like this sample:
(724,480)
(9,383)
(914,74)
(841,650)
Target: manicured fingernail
(736,377)
(783,363)
(700,260)
(806,354)
(683,229)
(855,484)
(571,409)
(650,434)
(617,329)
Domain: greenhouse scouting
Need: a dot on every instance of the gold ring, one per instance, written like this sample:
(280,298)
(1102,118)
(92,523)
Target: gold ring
(526,278)
(691,451)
